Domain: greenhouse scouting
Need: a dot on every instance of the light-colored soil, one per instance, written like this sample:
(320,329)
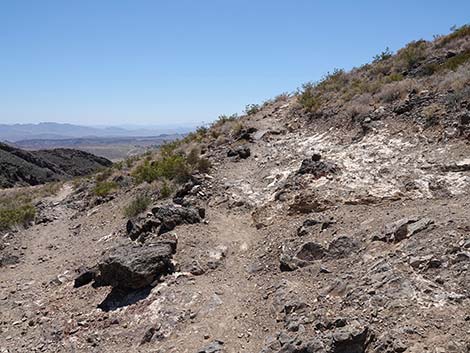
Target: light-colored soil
(241,297)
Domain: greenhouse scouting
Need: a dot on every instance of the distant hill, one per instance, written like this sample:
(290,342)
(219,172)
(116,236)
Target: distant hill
(113,148)
(46,130)
(19,167)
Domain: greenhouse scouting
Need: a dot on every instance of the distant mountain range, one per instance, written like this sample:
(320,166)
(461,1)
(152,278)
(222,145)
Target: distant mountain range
(51,131)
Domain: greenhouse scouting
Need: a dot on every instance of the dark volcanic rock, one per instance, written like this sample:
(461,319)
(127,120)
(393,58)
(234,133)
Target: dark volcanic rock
(141,225)
(246,134)
(307,253)
(132,266)
(19,167)
(162,220)
(402,229)
(316,167)
(242,152)
(86,276)
(309,224)
(216,346)
(171,216)
(349,340)
(342,246)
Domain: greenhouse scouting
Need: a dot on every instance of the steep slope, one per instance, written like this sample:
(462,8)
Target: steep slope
(320,227)
(20,167)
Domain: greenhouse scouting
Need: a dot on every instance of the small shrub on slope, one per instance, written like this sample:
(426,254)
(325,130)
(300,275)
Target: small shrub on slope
(138,205)
(104,188)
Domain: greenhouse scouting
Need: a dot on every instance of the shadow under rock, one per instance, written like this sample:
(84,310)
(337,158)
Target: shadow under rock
(119,297)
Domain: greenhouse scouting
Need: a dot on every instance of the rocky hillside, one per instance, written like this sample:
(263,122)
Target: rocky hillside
(334,220)
(20,167)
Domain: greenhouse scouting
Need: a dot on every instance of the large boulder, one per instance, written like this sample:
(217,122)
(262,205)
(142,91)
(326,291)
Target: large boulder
(163,219)
(131,266)
(171,216)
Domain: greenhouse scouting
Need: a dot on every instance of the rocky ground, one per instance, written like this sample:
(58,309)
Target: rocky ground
(304,237)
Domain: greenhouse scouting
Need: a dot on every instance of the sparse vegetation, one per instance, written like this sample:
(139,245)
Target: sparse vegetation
(412,54)
(104,188)
(251,109)
(104,175)
(457,32)
(171,167)
(309,98)
(166,189)
(16,214)
(138,205)
(396,90)
(454,62)
(384,55)
(17,206)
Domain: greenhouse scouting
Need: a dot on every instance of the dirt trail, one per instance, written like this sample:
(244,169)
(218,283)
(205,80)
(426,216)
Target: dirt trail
(225,298)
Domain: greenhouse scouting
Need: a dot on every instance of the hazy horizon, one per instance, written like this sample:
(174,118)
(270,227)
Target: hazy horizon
(117,125)
(151,63)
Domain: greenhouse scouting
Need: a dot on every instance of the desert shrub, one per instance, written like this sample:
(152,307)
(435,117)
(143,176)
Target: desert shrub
(118,165)
(104,175)
(196,162)
(333,81)
(357,86)
(309,98)
(204,165)
(380,68)
(172,167)
(413,53)
(396,90)
(144,172)
(215,133)
(356,109)
(138,205)
(16,214)
(251,109)
(168,167)
(196,136)
(222,119)
(394,77)
(78,182)
(454,62)
(169,148)
(283,97)
(193,156)
(455,80)
(129,162)
(384,55)
(166,189)
(49,189)
(236,128)
(457,32)
(104,188)
(454,99)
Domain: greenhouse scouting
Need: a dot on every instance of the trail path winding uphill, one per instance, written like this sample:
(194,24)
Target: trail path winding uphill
(228,292)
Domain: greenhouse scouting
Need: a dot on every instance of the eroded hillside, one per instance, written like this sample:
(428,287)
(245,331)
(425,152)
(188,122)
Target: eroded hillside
(333,220)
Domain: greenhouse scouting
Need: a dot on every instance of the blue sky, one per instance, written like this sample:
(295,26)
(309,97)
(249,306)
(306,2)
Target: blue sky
(153,62)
